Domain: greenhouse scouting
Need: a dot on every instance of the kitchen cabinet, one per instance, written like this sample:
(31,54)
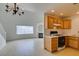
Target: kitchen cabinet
(60,21)
(74,42)
(54,44)
(66,24)
(54,20)
(51,20)
(47,43)
(71,41)
(66,41)
(51,44)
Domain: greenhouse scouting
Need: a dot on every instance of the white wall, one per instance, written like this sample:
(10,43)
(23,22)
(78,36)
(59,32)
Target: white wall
(2,31)
(9,22)
(75,25)
(2,37)
(40,23)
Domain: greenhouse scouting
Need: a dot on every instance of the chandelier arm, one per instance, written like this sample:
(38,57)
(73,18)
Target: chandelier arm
(15,9)
(14,6)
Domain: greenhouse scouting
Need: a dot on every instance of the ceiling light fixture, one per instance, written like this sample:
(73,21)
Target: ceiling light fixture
(61,14)
(15,9)
(52,10)
(77,12)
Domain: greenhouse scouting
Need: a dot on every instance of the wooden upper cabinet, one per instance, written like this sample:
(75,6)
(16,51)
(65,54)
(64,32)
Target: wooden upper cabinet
(50,22)
(67,24)
(60,21)
(55,20)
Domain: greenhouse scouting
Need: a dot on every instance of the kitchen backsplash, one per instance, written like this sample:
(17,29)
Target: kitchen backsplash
(64,32)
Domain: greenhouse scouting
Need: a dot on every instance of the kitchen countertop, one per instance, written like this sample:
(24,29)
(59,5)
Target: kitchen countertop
(48,36)
(51,36)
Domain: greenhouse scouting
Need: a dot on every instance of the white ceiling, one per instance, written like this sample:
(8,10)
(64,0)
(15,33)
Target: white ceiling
(67,8)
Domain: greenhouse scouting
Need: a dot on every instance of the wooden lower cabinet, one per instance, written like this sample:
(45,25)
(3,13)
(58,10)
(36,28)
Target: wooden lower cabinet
(66,41)
(73,43)
(47,43)
(51,44)
(54,44)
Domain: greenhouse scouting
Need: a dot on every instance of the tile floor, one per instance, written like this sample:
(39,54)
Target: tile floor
(25,47)
(67,52)
(33,47)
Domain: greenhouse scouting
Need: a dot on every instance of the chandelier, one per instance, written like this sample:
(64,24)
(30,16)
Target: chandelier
(15,9)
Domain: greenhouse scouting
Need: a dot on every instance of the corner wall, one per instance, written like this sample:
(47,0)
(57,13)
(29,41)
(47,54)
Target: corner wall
(75,25)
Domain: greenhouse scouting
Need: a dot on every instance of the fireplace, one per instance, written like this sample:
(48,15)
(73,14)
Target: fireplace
(40,35)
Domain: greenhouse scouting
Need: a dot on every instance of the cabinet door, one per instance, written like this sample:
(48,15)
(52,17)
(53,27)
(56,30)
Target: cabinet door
(54,44)
(66,41)
(55,20)
(50,22)
(60,21)
(67,24)
(73,43)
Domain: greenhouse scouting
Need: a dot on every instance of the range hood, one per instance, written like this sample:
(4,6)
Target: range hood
(55,24)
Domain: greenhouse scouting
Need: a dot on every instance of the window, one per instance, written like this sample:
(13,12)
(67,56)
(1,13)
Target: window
(24,29)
